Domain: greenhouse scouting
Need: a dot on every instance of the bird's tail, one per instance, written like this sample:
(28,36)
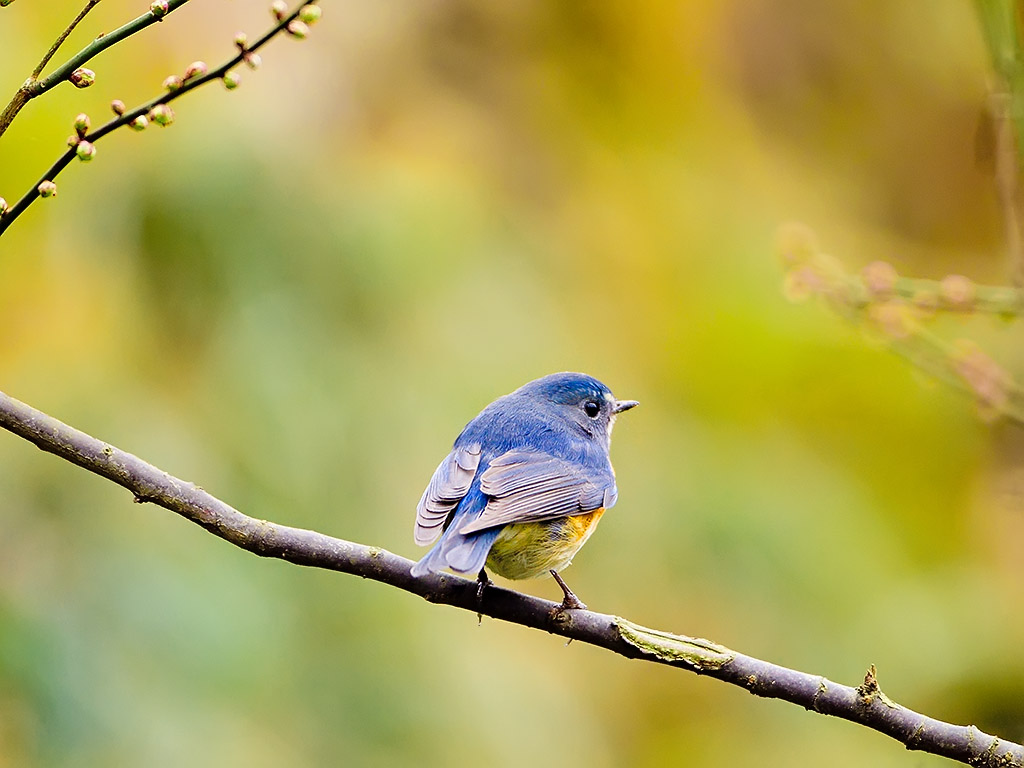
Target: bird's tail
(464,554)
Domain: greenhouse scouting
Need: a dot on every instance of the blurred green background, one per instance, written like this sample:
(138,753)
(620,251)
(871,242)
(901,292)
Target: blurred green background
(297,294)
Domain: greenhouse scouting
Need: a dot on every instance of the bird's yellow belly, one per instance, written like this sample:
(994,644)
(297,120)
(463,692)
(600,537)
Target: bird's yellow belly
(526,550)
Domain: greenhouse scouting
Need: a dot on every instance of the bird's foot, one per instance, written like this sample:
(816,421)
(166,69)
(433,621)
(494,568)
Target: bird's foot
(482,580)
(570,602)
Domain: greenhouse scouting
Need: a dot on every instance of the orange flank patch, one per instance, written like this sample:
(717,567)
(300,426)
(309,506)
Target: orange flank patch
(527,550)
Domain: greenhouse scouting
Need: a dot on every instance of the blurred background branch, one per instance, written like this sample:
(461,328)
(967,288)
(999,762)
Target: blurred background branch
(897,309)
(865,705)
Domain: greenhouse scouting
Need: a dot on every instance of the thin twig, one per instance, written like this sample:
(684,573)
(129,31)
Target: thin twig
(60,40)
(8,218)
(865,704)
(34,87)
(101,43)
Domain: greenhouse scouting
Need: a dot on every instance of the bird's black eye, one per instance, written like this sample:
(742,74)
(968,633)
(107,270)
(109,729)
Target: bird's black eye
(591,409)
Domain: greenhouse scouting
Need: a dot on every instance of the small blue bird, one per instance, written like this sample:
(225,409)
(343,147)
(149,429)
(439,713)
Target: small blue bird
(525,484)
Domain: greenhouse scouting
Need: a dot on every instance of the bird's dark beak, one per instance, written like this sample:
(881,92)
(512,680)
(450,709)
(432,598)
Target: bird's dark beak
(624,405)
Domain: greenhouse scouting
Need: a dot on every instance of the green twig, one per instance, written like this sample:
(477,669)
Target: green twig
(34,87)
(8,218)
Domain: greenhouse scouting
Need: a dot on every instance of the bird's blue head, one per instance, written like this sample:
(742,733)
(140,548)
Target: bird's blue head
(580,399)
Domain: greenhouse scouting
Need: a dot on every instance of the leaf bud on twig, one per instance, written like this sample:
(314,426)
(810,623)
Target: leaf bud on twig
(159,8)
(880,279)
(139,123)
(82,124)
(117,107)
(241,41)
(47,189)
(279,9)
(310,14)
(172,83)
(231,80)
(297,29)
(85,151)
(3,206)
(162,115)
(196,69)
(82,77)
(957,291)
(252,60)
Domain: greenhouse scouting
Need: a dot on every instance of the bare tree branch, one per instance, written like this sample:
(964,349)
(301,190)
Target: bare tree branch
(865,704)
(151,110)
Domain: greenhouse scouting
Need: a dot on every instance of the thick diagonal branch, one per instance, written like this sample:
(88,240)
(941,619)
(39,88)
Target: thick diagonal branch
(866,704)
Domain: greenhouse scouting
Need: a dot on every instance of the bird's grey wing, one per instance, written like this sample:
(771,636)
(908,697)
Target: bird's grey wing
(529,486)
(446,489)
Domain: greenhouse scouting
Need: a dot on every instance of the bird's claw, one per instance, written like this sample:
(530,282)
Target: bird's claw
(482,580)
(570,601)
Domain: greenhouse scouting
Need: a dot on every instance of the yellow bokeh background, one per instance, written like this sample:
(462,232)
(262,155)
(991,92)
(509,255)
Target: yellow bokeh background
(297,294)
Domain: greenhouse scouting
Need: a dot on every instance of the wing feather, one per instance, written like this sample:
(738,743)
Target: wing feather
(445,490)
(529,486)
